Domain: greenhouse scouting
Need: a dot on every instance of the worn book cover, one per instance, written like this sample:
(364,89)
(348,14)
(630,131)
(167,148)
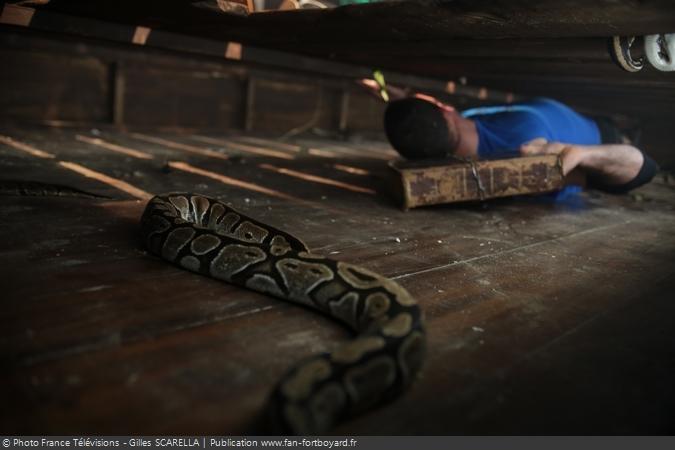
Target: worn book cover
(419,183)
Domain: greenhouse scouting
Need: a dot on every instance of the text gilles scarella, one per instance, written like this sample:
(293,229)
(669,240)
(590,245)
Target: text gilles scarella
(102,442)
(179,442)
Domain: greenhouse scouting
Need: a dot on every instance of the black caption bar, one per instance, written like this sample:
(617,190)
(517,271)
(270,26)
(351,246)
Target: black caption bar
(342,442)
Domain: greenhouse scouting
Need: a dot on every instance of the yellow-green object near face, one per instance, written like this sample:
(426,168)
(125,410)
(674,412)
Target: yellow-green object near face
(379,79)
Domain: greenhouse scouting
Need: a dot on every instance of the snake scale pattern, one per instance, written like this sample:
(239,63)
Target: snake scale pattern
(206,236)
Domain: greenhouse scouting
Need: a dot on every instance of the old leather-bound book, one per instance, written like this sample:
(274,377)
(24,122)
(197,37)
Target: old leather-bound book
(419,183)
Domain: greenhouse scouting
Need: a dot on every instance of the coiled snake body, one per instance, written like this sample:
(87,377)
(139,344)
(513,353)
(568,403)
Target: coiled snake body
(204,235)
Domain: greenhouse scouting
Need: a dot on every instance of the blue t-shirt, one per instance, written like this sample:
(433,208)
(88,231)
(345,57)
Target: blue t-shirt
(502,129)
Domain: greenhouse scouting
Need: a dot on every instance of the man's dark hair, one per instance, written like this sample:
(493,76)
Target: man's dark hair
(417,129)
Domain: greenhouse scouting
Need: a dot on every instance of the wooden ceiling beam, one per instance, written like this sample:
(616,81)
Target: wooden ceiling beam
(390,22)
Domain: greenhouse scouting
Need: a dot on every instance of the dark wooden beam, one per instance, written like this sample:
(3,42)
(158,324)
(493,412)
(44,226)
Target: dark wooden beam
(343,120)
(118,94)
(429,40)
(249,105)
(392,21)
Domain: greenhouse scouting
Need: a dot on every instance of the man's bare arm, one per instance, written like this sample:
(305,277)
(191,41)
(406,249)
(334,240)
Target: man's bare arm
(614,164)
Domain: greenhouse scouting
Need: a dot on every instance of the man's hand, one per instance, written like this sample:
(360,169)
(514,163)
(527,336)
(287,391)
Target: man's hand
(570,154)
(614,163)
(395,93)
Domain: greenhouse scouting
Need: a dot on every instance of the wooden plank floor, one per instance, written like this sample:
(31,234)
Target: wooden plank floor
(543,317)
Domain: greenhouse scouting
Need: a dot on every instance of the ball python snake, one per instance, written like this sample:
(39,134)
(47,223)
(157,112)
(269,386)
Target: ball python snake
(206,236)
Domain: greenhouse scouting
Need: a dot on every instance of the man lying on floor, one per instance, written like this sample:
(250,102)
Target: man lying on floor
(421,127)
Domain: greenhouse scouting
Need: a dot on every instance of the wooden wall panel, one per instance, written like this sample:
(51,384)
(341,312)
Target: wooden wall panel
(365,112)
(86,81)
(286,106)
(44,86)
(175,97)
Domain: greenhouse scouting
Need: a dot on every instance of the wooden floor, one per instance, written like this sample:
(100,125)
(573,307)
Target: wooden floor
(543,317)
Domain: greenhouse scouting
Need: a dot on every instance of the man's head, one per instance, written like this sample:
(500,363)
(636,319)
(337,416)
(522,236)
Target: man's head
(420,129)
